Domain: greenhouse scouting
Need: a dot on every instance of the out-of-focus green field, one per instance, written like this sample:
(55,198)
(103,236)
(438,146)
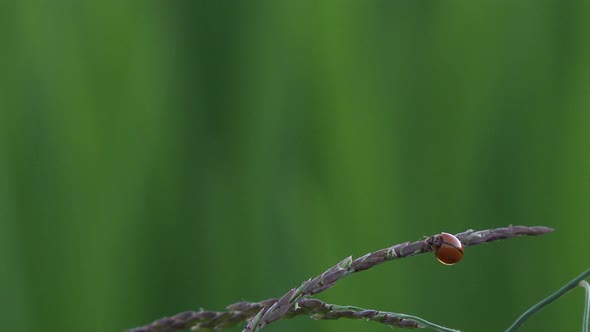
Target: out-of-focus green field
(163,156)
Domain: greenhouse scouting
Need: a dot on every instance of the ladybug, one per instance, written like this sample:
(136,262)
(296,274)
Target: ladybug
(447,248)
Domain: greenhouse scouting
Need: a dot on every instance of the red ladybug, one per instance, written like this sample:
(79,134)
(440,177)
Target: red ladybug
(447,248)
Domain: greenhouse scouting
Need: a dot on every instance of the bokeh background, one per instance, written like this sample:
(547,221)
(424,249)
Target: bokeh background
(161,156)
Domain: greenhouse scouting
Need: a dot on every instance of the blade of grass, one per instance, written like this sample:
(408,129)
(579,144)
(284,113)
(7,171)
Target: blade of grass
(585,319)
(548,300)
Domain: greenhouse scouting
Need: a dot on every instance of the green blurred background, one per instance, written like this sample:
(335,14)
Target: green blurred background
(161,156)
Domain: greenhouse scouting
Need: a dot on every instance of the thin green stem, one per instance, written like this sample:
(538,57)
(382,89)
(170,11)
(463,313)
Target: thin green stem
(585,319)
(548,300)
(428,324)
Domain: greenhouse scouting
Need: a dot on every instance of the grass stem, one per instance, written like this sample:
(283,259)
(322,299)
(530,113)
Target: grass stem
(548,300)
(585,319)
(298,301)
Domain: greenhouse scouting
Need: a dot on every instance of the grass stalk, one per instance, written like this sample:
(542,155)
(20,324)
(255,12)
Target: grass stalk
(260,314)
(398,251)
(586,317)
(389,318)
(550,299)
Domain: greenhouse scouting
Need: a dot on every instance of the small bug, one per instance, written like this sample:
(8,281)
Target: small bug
(447,248)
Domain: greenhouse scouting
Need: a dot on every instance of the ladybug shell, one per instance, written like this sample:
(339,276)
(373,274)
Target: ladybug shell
(450,249)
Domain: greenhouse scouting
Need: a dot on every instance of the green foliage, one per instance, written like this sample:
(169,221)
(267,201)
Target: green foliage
(157,157)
